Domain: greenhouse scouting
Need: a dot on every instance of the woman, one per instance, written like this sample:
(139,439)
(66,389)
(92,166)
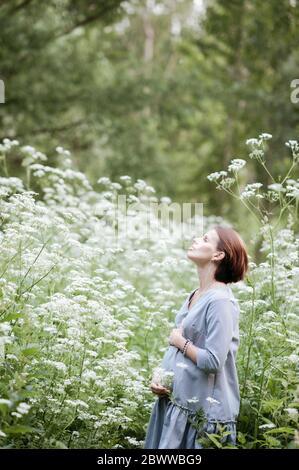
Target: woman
(204,368)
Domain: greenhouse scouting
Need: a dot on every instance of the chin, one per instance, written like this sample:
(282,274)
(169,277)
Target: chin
(191,255)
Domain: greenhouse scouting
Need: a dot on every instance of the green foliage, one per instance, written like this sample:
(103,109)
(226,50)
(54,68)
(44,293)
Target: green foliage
(131,97)
(75,370)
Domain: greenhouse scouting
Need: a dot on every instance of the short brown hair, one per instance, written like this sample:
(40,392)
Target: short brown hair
(233,267)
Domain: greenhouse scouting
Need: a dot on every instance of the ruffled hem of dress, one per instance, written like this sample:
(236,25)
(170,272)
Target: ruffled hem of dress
(172,427)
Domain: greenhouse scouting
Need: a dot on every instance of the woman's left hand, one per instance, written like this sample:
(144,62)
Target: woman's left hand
(176,336)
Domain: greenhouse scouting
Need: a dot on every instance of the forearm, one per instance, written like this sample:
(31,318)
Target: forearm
(191,351)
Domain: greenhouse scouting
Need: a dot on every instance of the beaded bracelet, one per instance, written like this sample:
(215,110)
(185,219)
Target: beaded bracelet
(188,344)
(185,346)
(182,350)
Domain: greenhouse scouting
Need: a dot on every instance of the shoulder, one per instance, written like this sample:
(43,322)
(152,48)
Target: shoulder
(222,299)
(223,296)
(219,301)
(223,308)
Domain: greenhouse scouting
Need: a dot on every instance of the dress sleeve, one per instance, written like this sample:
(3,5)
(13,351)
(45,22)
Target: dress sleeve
(219,321)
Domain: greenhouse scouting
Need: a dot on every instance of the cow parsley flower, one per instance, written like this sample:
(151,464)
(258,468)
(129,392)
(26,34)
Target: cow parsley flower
(265,136)
(293,412)
(252,142)
(226,183)
(294,146)
(193,400)
(104,180)
(8,145)
(62,151)
(23,408)
(182,365)
(212,400)
(276,187)
(250,190)
(267,426)
(216,175)
(236,164)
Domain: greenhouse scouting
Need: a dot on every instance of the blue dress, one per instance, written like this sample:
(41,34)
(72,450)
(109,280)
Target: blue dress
(209,388)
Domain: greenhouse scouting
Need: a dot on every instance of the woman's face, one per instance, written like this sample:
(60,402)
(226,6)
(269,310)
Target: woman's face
(203,248)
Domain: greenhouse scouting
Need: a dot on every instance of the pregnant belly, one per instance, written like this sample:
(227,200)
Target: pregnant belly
(191,386)
(170,358)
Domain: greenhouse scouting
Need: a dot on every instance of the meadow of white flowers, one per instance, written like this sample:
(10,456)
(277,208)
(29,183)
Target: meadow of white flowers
(85,317)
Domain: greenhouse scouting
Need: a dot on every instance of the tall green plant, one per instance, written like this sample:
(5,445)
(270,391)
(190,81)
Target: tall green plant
(269,302)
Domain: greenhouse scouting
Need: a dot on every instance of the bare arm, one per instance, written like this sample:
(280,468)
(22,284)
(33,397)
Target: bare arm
(191,350)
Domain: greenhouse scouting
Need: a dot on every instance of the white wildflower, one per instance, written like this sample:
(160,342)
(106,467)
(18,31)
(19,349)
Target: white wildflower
(62,151)
(212,400)
(294,146)
(267,426)
(269,314)
(257,154)
(58,365)
(226,182)
(216,175)
(8,145)
(292,143)
(236,164)
(4,401)
(132,441)
(104,180)
(265,136)
(293,412)
(89,375)
(23,408)
(182,365)
(260,338)
(116,186)
(167,379)
(193,400)
(32,155)
(293,358)
(250,190)
(252,142)
(165,200)
(163,377)
(125,178)
(276,187)
(12,357)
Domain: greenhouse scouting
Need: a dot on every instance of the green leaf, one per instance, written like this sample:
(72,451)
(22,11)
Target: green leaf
(18,429)
(13,316)
(214,440)
(283,430)
(241,438)
(30,352)
(4,407)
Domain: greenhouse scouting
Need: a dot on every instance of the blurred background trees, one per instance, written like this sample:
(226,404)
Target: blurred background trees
(164,91)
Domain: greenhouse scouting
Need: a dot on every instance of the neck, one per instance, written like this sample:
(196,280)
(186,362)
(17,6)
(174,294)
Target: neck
(206,278)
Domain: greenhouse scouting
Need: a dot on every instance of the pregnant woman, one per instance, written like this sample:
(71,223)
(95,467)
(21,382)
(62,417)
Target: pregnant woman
(202,351)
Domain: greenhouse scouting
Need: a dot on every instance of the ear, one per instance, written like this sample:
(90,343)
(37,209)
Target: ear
(219,256)
(222,254)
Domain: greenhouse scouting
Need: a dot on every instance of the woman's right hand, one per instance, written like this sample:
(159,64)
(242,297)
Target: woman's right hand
(159,389)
